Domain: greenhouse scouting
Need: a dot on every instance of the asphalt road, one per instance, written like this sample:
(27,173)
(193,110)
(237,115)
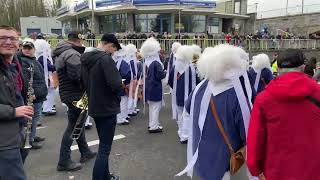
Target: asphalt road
(136,154)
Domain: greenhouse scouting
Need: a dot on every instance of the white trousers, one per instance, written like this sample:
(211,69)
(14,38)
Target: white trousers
(226,176)
(154,112)
(48,104)
(88,123)
(180,123)
(131,108)
(184,133)
(121,117)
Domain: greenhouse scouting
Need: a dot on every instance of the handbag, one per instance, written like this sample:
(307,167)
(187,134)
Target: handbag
(238,158)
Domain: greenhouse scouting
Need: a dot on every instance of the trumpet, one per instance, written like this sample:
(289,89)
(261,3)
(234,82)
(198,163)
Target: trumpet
(31,97)
(79,126)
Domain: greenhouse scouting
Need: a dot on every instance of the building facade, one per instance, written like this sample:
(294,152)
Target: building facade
(45,25)
(160,16)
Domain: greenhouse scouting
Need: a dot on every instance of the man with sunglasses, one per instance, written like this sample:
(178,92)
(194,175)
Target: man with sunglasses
(12,109)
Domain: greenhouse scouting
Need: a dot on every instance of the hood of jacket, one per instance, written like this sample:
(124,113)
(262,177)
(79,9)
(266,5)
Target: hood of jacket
(292,86)
(64,46)
(89,59)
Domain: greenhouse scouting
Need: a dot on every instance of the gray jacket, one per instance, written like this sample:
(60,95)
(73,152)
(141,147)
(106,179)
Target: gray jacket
(67,61)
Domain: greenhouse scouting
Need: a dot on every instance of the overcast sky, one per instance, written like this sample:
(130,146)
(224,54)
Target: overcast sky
(265,5)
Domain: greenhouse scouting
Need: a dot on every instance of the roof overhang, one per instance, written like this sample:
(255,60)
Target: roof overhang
(151,10)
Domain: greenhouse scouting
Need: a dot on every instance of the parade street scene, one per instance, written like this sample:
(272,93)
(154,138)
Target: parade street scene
(159,89)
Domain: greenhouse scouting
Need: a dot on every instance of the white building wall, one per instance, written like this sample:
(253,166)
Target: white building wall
(45,24)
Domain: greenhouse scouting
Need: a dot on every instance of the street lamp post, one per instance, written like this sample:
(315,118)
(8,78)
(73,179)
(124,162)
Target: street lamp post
(77,18)
(255,19)
(179,19)
(287,7)
(92,20)
(302,6)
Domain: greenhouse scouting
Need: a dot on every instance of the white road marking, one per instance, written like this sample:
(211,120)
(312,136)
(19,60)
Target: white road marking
(96,142)
(41,127)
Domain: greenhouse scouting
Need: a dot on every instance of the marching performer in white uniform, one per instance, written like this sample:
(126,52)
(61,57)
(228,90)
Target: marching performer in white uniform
(153,74)
(183,80)
(223,98)
(124,68)
(260,72)
(131,58)
(43,54)
(172,59)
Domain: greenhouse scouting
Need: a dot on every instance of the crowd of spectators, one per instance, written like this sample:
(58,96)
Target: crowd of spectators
(264,34)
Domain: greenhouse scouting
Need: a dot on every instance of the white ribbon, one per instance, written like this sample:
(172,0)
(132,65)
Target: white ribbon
(256,83)
(186,83)
(131,98)
(193,76)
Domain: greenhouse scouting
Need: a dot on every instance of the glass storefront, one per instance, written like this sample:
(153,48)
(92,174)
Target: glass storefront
(115,23)
(152,23)
(190,23)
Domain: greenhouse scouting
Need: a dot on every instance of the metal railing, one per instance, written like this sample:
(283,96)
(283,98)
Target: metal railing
(263,44)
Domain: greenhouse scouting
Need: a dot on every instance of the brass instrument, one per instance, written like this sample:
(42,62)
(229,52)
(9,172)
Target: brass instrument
(79,126)
(30,98)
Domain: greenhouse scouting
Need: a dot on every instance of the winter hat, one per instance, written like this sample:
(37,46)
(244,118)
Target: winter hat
(291,58)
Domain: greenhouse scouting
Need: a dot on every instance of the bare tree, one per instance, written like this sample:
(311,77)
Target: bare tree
(12,10)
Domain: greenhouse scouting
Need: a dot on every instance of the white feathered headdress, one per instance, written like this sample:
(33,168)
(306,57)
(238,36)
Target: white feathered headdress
(131,50)
(260,62)
(196,49)
(224,62)
(41,47)
(185,54)
(150,51)
(175,46)
(184,57)
(120,54)
(150,47)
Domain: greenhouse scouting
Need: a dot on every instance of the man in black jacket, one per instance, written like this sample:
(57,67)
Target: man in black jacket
(12,108)
(28,59)
(103,84)
(67,62)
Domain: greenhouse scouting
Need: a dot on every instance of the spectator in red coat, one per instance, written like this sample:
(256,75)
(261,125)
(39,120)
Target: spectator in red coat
(228,38)
(283,139)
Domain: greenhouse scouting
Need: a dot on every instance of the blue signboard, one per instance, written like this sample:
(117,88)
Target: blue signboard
(155,2)
(106,3)
(63,10)
(201,3)
(81,6)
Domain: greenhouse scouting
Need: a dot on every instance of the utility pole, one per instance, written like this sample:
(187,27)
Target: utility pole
(77,18)
(92,20)
(255,19)
(287,7)
(179,19)
(302,6)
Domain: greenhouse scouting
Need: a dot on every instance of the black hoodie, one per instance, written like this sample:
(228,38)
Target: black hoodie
(102,82)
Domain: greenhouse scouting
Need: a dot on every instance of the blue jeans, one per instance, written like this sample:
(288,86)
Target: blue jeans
(106,128)
(11,167)
(37,108)
(66,142)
